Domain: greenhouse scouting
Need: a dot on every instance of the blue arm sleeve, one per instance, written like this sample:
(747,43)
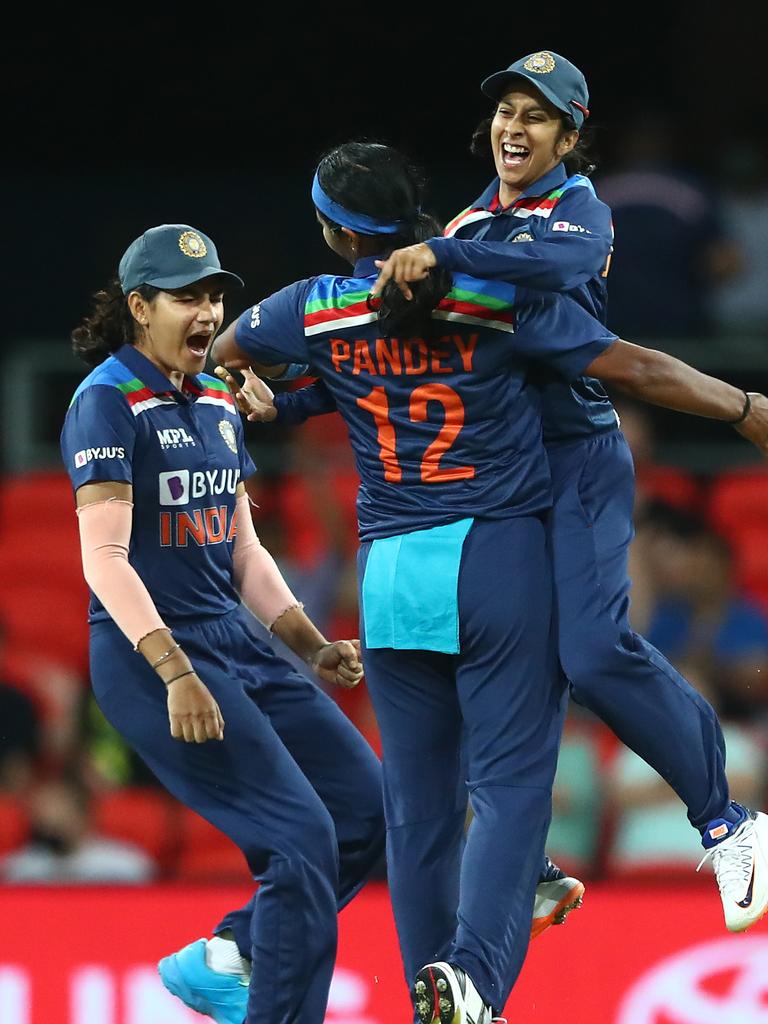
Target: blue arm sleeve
(557,331)
(272,331)
(571,247)
(98,437)
(295,407)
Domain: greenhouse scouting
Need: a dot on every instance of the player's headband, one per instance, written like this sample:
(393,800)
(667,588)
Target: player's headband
(348,219)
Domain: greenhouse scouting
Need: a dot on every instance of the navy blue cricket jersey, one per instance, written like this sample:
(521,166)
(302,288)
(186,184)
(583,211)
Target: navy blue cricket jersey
(441,428)
(563,240)
(184,455)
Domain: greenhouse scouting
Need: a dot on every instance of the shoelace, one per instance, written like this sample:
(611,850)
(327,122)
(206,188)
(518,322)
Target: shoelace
(498,1020)
(732,861)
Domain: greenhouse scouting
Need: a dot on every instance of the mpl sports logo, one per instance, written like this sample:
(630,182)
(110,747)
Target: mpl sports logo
(720,982)
(86,455)
(175,437)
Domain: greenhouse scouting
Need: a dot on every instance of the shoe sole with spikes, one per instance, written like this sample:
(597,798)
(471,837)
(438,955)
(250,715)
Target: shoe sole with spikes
(554,902)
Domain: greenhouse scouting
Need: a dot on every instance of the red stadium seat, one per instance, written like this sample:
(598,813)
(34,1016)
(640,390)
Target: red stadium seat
(14,825)
(738,509)
(140,815)
(40,553)
(738,499)
(205,854)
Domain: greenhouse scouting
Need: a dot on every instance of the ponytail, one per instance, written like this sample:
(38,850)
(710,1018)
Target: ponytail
(110,324)
(398,315)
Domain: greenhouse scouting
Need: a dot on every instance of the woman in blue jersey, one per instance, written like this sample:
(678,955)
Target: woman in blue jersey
(540,224)
(155,451)
(454,576)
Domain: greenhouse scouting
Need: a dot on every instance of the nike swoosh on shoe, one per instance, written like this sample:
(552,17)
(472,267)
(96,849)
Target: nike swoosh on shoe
(747,901)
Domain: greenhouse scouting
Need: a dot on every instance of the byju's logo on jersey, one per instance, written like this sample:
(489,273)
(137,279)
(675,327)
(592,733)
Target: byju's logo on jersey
(174,487)
(565,225)
(255,316)
(175,437)
(82,458)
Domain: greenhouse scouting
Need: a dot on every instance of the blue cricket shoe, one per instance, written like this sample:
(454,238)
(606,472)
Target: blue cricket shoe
(221,996)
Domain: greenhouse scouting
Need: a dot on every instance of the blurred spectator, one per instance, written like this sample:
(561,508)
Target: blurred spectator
(701,622)
(64,848)
(19,739)
(741,305)
(671,246)
(654,481)
(577,799)
(651,831)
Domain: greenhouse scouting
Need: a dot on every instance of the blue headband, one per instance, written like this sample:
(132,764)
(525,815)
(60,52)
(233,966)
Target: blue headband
(347,219)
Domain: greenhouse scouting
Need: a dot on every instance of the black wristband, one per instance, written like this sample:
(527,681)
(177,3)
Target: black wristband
(744,411)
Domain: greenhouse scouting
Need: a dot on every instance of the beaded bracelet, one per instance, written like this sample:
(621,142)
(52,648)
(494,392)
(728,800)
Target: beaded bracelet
(166,656)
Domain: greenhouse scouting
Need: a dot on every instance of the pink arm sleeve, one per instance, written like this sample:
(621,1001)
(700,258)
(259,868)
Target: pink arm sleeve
(105,534)
(257,578)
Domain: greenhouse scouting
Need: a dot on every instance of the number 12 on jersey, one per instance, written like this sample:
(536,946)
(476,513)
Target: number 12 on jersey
(377,404)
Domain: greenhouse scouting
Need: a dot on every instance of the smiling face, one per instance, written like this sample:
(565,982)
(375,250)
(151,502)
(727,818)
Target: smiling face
(177,327)
(527,139)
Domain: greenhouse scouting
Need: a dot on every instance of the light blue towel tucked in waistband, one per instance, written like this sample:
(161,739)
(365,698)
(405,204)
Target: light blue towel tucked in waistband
(410,589)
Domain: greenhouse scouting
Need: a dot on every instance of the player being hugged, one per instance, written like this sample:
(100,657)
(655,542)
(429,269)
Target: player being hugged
(454,576)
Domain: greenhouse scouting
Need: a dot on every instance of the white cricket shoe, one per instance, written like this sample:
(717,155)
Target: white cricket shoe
(446,994)
(740,863)
(556,896)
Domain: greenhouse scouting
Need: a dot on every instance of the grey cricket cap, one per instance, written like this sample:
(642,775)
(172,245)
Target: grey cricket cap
(171,256)
(556,78)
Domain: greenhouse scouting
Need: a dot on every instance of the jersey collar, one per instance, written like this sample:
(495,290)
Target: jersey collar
(151,377)
(366,267)
(489,200)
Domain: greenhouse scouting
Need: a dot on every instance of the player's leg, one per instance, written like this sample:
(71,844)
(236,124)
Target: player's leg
(250,787)
(615,672)
(332,754)
(425,800)
(511,696)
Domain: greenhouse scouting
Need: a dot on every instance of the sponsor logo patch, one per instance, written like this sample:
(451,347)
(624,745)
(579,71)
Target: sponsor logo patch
(565,225)
(174,487)
(255,315)
(174,438)
(86,455)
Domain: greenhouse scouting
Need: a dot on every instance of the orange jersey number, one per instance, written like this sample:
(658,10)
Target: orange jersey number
(377,404)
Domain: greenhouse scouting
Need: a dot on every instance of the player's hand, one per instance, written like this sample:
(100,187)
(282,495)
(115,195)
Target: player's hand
(193,713)
(755,426)
(339,663)
(412,263)
(254,399)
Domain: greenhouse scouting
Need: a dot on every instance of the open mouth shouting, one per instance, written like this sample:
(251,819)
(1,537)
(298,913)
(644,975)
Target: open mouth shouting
(199,342)
(513,155)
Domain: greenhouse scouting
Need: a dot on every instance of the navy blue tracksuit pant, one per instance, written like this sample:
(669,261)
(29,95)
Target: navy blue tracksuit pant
(614,672)
(293,784)
(502,696)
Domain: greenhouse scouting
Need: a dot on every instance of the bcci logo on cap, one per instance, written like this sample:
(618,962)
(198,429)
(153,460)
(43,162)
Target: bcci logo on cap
(191,244)
(540,63)
(174,487)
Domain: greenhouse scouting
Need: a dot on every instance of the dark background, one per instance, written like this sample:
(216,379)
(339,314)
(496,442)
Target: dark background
(116,120)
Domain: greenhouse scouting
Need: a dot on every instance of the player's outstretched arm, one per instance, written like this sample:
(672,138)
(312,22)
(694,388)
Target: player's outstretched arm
(661,379)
